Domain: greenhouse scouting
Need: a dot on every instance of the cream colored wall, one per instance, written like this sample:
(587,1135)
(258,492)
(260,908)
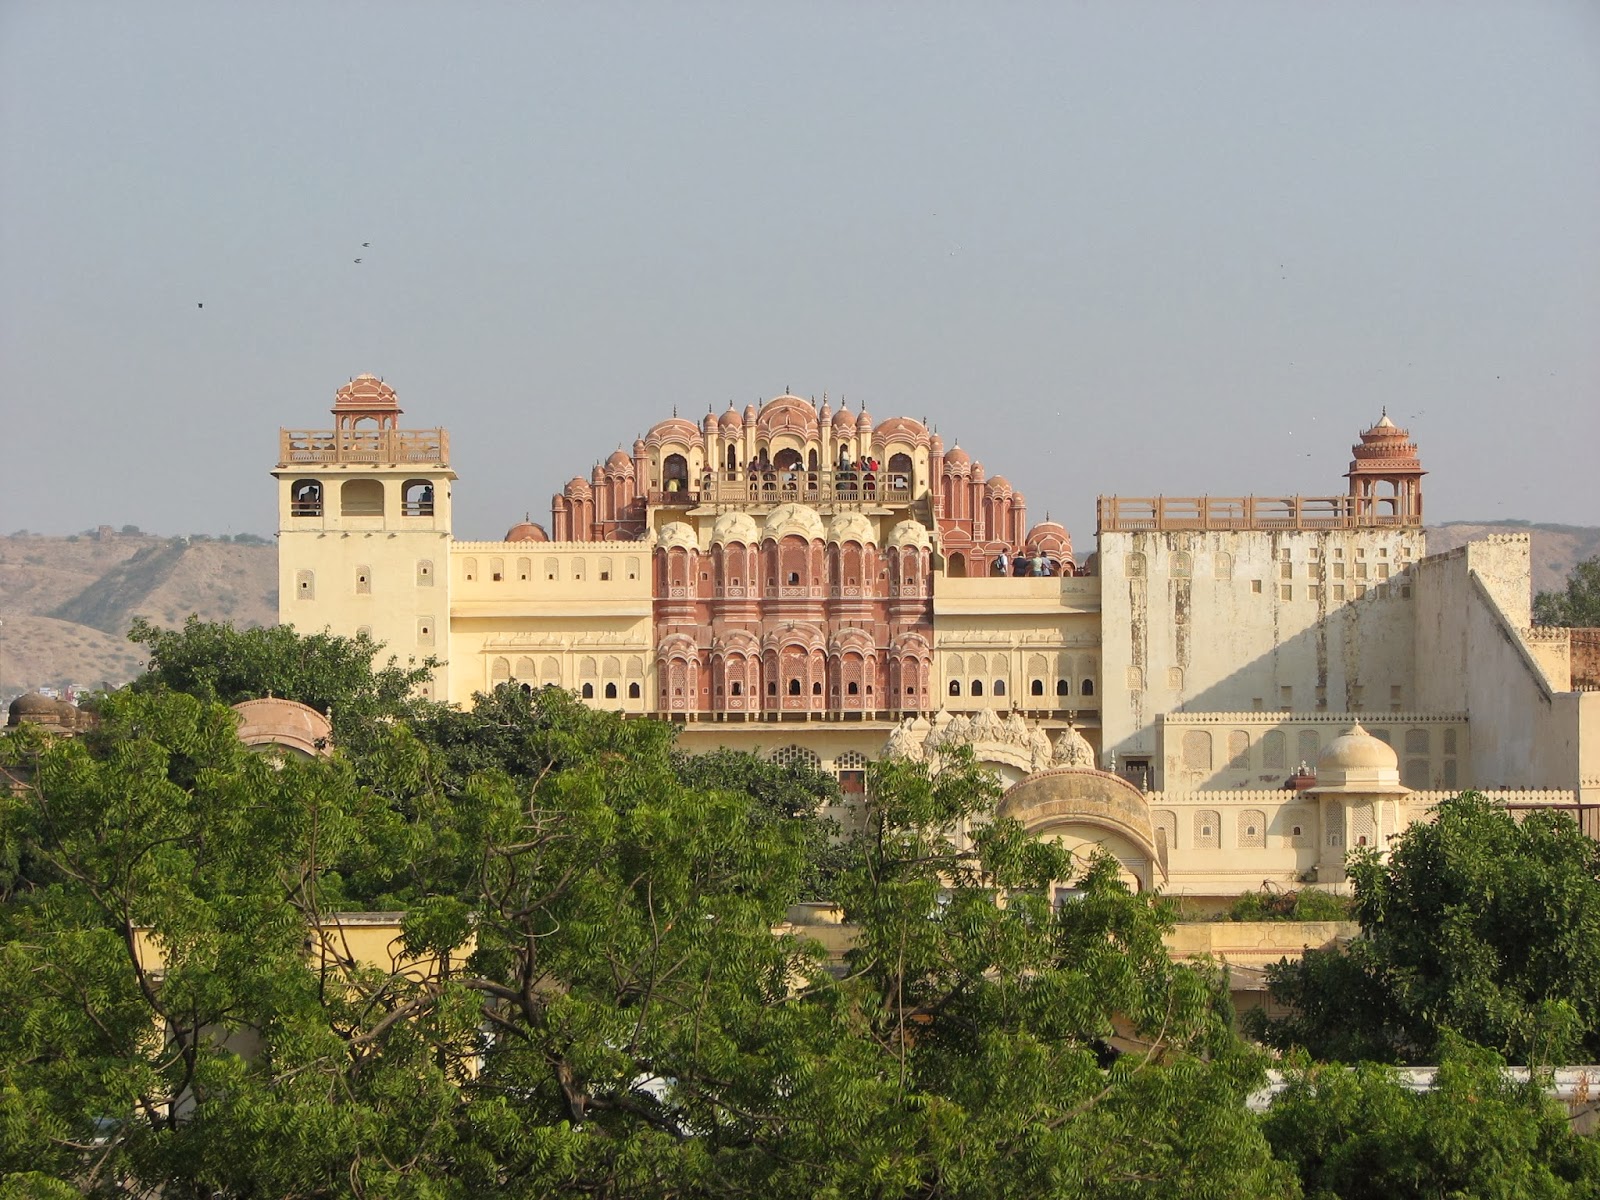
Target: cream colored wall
(1472,611)
(1024,629)
(1229,637)
(401,606)
(1261,750)
(573,605)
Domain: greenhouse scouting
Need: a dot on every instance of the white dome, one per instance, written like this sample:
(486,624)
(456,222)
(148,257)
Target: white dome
(852,527)
(910,533)
(735,527)
(676,533)
(793,520)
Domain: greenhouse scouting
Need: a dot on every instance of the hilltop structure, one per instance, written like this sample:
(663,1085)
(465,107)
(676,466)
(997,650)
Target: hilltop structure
(823,586)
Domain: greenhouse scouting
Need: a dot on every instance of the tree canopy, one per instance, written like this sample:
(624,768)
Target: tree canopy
(1578,605)
(594,990)
(1477,925)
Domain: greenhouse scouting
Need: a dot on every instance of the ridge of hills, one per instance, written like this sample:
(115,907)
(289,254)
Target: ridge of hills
(67,602)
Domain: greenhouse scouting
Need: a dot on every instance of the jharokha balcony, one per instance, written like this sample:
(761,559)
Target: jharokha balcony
(298,446)
(745,489)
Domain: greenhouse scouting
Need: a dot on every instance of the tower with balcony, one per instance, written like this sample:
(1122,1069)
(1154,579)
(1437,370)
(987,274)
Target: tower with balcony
(364,528)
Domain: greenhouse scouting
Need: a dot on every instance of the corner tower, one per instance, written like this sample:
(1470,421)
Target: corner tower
(364,527)
(1386,476)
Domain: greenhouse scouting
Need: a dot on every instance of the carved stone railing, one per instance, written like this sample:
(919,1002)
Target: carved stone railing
(1135,514)
(819,489)
(308,446)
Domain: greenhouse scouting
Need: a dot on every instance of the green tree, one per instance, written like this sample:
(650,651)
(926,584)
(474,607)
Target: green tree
(1362,1134)
(335,675)
(1579,605)
(1477,924)
(164,929)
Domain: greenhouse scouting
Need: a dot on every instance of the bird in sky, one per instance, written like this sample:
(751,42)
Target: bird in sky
(199,305)
(358,260)
(364,245)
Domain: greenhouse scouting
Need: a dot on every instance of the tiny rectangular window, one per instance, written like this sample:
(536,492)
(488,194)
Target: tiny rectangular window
(1286,698)
(1338,570)
(1316,591)
(363,581)
(1257,704)
(1361,570)
(1287,571)
(425,631)
(1255,587)
(1361,591)
(1383,570)
(305,585)
(1338,593)
(1286,592)
(605,576)
(424,572)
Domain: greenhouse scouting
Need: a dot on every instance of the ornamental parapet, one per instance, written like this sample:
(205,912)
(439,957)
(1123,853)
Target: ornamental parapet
(1375,717)
(1142,514)
(297,447)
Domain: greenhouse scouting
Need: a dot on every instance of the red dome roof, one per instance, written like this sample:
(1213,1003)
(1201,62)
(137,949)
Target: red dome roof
(527,531)
(366,392)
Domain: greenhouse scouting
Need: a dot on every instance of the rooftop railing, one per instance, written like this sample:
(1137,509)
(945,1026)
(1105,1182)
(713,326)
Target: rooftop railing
(363,446)
(747,488)
(1134,514)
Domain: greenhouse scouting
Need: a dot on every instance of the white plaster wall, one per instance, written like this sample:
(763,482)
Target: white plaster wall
(1263,621)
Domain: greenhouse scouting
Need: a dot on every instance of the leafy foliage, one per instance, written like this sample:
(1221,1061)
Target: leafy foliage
(1579,605)
(1478,925)
(1361,1134)
(334,675)
(1306,904)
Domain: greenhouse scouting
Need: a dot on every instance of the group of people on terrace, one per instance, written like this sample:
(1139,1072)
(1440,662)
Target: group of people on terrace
(1037,565)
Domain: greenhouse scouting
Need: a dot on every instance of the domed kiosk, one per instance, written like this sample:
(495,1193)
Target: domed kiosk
(1359,794)
(1085,809)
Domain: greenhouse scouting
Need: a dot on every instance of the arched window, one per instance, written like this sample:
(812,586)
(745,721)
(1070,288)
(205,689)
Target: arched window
(733,459)
(361,498)
(794,687)
(1087,689)
(416,498)
(736,688)
(611,691)
(633,691)
(588,691)
(1063,688)
(674,473)
(816,689)
(772,686)
(1036,688)
(955,687)
(958,566)
(852,689)
(999,687)
(305,498)
(900,470)
(977,687)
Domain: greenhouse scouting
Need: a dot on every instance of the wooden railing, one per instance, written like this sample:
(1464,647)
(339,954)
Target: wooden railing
(363,446)
(1133,514)
(818,488)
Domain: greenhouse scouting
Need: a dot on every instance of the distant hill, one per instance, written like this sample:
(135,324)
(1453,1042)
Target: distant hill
(1556,548)
(67,602)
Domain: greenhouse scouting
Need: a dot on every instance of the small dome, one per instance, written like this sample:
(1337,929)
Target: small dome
(852,527)
(735,527)
(366,392)
(999,486)
(619,462)
(864,422)
(729,422)
(935,443)
(577,488)
(673,429)
(793,520)
(676,533)
(276,723)
(527,531)
(957,457)
(901,429)
(33,708)
(749,414)
(844,422)
(910,533)
(788,414)
(1357,749)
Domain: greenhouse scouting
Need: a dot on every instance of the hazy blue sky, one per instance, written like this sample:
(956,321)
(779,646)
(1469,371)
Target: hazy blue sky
(1109,247)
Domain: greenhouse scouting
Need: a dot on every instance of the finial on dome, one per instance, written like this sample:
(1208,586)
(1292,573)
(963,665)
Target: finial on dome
(674,410)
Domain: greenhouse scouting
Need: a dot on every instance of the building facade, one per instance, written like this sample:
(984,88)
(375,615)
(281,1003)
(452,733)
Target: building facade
(819,585)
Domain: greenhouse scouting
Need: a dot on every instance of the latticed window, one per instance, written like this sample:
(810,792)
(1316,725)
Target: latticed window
(792,755)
